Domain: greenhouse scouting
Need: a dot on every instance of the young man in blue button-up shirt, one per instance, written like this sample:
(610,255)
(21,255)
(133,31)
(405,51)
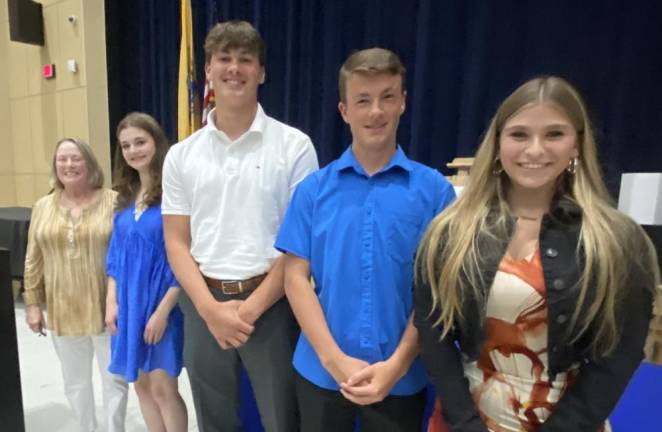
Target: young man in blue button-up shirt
(354,227)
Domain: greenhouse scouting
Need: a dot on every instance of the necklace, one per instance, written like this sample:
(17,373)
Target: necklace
(140,206)
(139,209)
(528,218)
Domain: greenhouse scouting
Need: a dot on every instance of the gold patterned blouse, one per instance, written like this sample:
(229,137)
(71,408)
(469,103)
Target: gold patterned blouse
(65,265)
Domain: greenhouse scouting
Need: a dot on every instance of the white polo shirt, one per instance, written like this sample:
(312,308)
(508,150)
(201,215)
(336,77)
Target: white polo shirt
(236,193)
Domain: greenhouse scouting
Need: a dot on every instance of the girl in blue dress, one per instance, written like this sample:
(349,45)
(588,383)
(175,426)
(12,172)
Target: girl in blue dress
(141,307)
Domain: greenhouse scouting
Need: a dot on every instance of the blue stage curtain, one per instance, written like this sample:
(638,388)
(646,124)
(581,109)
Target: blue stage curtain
(463,57)
(142,50)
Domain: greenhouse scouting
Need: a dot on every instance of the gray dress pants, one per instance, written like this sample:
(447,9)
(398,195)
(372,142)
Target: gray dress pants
(214,373)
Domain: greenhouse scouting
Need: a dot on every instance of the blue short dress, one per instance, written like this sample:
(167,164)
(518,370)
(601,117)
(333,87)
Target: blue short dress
(137,261)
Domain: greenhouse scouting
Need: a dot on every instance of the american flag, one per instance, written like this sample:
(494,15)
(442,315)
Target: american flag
(208,101)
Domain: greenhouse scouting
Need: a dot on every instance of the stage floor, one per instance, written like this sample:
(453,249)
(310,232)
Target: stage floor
(44,404)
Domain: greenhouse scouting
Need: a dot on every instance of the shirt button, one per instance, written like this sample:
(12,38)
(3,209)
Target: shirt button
(558,284)
(561,319)
(555,349)
(551,252)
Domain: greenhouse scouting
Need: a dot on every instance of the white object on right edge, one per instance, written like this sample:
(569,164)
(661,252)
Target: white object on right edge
(641,197)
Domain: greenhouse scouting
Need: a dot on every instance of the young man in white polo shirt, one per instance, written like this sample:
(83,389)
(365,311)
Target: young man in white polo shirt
(225,191)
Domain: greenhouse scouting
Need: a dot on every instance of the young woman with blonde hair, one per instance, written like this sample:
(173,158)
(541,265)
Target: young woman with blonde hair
(533,293)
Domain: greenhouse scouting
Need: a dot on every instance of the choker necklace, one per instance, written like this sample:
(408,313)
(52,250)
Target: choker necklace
(528,218)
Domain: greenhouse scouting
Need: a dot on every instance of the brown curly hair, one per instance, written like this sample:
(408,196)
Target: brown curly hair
(126,180)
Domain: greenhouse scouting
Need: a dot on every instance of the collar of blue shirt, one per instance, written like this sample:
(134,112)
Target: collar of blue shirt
(347,161)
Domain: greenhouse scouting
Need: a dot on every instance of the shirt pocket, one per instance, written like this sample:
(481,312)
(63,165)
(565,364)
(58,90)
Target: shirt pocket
(403,236)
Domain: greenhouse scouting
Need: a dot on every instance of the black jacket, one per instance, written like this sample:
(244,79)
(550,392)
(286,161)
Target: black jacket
(600,382)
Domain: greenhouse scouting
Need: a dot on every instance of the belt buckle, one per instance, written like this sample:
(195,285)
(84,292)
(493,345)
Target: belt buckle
(232,287)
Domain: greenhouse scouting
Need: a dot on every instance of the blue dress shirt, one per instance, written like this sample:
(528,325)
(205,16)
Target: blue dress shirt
(360,235)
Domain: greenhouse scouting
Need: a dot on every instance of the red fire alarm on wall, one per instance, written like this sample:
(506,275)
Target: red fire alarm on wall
(48,71)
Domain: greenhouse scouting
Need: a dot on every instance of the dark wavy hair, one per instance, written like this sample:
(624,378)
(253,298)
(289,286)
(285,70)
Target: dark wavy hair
(126,180)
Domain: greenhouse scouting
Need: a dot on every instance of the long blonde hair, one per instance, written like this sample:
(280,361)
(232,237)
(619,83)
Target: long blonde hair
(448,258)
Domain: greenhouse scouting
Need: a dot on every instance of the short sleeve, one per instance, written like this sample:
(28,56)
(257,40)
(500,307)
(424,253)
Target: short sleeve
(295,232)
(446,194)
(304,162)
(174,200)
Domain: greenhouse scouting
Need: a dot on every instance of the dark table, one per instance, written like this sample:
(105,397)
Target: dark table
(11,401)
(14,224)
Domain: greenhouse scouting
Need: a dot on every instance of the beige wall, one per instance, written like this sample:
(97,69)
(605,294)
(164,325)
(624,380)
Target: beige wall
(35,112)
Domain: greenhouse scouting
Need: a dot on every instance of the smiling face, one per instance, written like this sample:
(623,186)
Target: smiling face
(372,109)
(235,74)
(70,166)
(138,148)
(535,146)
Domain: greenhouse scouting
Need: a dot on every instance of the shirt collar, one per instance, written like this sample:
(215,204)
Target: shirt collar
(347,160)
(257,126)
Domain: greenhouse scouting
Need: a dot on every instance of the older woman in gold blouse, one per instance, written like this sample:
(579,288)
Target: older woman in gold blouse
(65,270)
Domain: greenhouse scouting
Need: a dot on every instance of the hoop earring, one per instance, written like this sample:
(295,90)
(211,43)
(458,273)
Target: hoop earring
(572,166)
(497,169)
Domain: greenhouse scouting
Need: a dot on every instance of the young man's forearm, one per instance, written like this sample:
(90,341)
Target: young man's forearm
(178,248)
(188,275)
(308,312)
(374,383)
(408,348)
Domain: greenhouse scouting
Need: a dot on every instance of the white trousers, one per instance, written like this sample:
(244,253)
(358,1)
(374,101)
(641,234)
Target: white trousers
(75,355)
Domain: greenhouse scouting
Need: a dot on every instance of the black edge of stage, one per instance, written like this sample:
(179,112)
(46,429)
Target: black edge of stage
(11,400)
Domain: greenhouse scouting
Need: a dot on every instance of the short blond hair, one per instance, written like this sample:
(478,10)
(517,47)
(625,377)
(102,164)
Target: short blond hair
(371,61)
(95,176)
